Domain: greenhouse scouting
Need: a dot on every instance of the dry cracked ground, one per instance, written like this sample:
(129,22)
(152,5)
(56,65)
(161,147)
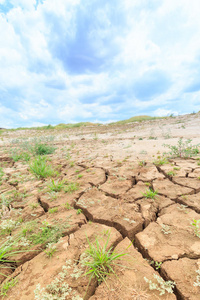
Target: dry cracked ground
(105,185)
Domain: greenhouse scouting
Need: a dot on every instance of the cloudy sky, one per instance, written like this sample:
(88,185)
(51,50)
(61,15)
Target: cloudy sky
(65,61)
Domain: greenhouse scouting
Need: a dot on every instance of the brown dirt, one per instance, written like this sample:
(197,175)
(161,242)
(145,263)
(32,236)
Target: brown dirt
(112,168)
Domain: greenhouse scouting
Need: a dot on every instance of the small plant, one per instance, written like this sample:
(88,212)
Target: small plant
(59,289)
(156,264)
(197,283)
(183,149)
(56,186)
(79,176)
(52,195)
(9,248)
(142,163)
(33,205)
(72,164)
(161,285)
(100,260)
(161,161)
(43,149)
(6,286)
(79,211)
(53,210)
(24,156)
(171,173)
(150,194)
(182,208)
(71,187)
(165,229)
(1,174)
(195,226)
(68,206)
(40,168)
(50,249)
(176,168)
(8,225)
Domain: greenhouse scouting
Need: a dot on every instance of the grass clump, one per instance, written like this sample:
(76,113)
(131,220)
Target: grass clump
(71,187)
(53,210)
(40,168)
(161,162)
(150,194)
(100,260)
(24,156)
(6,286)
(43,233)
(43,149)
(56,186)
(183,149)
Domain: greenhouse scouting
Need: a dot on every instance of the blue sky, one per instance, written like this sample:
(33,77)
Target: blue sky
(64,61)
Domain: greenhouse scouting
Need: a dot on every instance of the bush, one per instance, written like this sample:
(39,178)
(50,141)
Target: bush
(183,149)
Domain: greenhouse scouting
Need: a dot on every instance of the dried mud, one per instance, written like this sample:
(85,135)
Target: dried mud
(112,167)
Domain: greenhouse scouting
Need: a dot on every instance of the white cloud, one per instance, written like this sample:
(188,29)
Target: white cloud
(161,112)
(125,43)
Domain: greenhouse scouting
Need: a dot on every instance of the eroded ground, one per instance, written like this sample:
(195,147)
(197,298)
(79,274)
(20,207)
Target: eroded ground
(115,187)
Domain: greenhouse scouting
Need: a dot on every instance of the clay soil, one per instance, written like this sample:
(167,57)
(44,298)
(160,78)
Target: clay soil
(105,172)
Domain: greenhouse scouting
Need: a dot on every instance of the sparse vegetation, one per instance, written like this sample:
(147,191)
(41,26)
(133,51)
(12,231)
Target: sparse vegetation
(43,149)
(71,187)
(40,168)
(161,285)
(6,286)
(56,186)
(196,227)
(100,260)
(183,149)
(150,194)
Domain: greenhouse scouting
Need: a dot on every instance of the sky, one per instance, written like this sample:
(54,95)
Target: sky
(67,61)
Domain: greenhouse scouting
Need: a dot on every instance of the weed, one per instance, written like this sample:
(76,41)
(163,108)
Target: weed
(183,149)
(100,260)
(56,186)
(1,174)
(68,206)
(197,283)
(176,168)
(72,164)
(157,264)
(43,149)
(79,176)
(52,195)
(161,161)
(33,205)
(44,234)
(150,194)
(171,173)
(195,226)
(142,163)
(165,229)
(24,156)
(53,210)
(7,226)
(7,285)
(58,289)
(71,187)
(50,249)
(79,211)
(40,168)
(161,285)
(8,249)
